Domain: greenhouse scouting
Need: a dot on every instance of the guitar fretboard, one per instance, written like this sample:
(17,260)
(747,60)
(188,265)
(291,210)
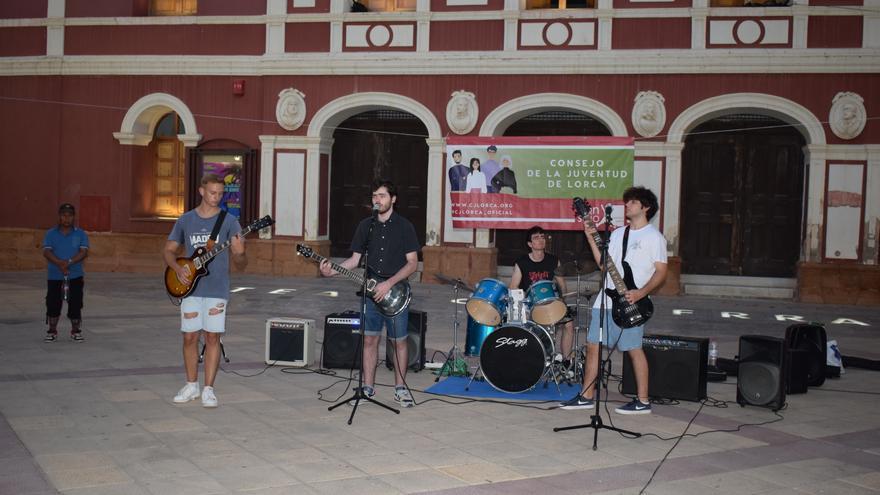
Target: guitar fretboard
(357,277)
(616,279)
(218,248)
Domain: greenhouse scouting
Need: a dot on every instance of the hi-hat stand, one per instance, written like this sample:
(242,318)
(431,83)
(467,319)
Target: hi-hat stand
(451,365)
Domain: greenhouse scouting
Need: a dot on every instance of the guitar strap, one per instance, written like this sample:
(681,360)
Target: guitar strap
(216,231)
(625,240)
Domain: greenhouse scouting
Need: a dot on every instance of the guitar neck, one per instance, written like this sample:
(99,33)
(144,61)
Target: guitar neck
(357,277)
(616,279)
(219,248)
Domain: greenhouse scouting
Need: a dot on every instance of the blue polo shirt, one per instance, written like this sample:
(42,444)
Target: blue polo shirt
(65,247)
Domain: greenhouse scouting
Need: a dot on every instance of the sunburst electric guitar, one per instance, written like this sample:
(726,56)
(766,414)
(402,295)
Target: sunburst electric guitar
(395,301)
(198,262)
(624,314)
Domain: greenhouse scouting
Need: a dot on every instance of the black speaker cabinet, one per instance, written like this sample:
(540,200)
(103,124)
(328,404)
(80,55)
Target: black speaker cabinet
(798,368)
(676,367)
(811,338)
(415,337)
(290,341)
(343,340)
(761,376)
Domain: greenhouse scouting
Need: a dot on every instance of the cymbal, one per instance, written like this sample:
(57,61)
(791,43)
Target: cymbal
(584,293)
(453,281)
(573,267)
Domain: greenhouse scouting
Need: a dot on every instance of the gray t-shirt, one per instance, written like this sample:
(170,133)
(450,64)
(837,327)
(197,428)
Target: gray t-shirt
(193,232)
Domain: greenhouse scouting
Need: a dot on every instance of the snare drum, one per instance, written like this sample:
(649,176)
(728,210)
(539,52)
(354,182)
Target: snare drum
(513,357)
(488,303)
(476,335)
(545,303)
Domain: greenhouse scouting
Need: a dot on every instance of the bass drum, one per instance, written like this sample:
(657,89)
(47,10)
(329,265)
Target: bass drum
(513,357)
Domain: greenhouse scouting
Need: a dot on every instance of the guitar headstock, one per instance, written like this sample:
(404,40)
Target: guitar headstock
(303,250)
(581,208)
(262,223)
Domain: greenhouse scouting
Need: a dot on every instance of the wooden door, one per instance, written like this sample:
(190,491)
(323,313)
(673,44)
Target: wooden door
(568,245)
(742,198)
(378,144)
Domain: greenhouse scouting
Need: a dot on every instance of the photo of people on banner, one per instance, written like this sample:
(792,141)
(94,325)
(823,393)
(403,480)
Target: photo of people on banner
(518,182)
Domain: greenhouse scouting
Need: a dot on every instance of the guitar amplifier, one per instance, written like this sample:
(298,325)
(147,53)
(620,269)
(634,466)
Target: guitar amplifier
(343,340)
(290,342)
(676,367)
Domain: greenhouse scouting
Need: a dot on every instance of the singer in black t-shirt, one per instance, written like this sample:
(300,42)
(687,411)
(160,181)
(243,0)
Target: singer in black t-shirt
(539,265)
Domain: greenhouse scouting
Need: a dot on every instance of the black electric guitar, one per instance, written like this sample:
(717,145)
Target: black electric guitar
(624,314)
(198,262)
(395,301)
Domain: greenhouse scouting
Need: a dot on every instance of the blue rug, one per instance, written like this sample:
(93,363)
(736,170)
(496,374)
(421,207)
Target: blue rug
(455,386)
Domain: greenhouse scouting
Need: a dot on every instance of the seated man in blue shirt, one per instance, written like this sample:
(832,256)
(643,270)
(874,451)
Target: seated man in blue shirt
(65,246)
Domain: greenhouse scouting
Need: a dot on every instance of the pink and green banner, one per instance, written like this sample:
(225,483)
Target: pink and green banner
(517,182)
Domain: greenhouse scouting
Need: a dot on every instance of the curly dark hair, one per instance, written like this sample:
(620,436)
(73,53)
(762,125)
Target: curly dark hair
(644,196)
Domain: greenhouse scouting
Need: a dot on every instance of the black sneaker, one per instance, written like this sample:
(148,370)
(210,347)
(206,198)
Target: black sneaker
(76,336)
(577,402)
(634,407)
(50,337)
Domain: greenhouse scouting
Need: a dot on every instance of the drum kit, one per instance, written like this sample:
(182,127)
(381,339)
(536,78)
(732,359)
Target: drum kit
(512,334)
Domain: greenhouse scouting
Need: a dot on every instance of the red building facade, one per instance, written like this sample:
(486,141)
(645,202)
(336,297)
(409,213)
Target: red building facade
(754,124)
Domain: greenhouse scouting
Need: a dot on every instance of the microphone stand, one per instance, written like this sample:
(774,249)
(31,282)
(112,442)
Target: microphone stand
(452,356)
(359,394)
(596,419)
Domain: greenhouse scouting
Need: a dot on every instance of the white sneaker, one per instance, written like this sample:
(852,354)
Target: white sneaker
(208,397)
(189,392)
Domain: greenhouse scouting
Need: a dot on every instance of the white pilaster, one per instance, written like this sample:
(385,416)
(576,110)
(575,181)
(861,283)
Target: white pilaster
(872,205)
(336,37)
(799,27)
(671,206)
(55,28)
(816,156)
(604,27)
(698,28)
(276,13)
(511,34)
(423,35)
(267,179)
(871,24)
(434,213)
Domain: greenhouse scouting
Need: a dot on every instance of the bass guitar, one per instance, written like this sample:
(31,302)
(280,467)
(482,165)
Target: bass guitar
(198,262)
(624,314)
(395,301)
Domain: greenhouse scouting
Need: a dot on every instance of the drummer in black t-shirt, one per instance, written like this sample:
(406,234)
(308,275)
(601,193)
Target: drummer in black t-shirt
(539,265)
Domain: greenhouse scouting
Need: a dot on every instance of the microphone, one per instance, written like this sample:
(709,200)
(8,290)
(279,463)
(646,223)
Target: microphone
(608,210)
(376,207)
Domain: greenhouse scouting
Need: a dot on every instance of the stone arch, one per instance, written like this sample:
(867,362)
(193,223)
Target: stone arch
(141,118)
(773,106)
(509,112)
(325,120)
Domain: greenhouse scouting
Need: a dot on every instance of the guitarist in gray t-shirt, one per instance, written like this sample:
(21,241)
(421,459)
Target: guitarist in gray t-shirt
(204,309)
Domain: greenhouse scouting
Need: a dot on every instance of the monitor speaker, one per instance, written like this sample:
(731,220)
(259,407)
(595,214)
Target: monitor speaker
(342,340)
(676,367)
(810,338)
(761,375)
(290,342)
(415,337)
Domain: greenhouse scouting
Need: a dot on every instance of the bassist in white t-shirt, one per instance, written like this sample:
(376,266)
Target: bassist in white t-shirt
(645,253)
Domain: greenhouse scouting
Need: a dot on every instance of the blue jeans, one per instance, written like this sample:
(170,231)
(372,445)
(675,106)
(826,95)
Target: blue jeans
(395,325)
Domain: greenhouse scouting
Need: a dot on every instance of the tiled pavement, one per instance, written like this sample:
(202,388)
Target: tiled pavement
(97,417)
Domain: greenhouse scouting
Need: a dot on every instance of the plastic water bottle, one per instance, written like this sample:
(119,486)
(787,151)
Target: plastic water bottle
(713,353)
(65,287)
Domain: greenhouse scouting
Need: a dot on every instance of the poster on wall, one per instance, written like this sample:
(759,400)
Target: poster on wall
(230,172)
(517,182)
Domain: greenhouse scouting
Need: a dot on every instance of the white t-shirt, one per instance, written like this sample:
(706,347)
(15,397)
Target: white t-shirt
(645,247)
